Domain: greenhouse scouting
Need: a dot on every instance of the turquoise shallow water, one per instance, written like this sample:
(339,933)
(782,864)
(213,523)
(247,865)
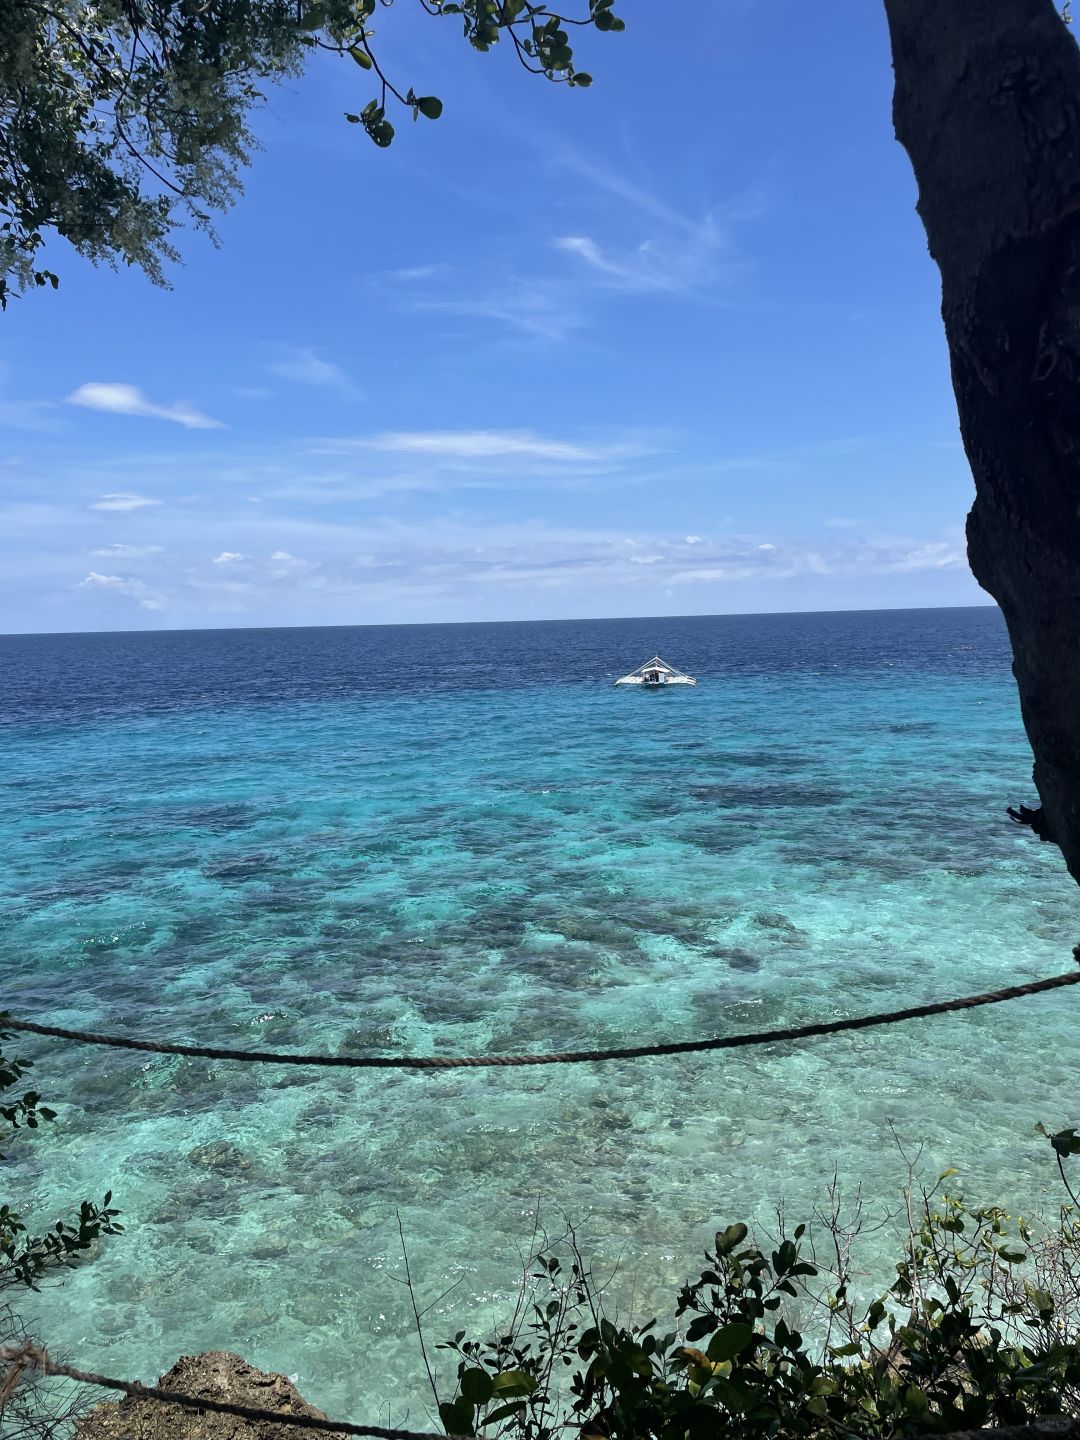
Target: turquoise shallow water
(252,838)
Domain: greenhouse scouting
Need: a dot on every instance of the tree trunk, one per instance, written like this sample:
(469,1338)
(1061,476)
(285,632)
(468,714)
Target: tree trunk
(987,105)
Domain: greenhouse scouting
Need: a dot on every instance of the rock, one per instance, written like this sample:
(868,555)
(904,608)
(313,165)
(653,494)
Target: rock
(215,1375)
(220,1155)
(780,924)
(738,959)
(270,1247)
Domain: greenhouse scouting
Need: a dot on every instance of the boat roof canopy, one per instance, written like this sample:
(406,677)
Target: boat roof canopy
(657,664)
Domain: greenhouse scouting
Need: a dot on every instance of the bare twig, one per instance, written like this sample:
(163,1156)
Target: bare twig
(418,1318)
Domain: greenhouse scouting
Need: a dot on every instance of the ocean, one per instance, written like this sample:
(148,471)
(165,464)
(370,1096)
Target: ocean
(463,839)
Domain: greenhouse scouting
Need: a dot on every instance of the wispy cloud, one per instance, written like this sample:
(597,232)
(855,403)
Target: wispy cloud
(542,309)
(299,567)
(620,187)
(672,253)
(681,253)
(286,566)
(127,552)
(680,265)
(409,274)
(120,399)
(487,445)
(125,585)
(123,502)
(303,366)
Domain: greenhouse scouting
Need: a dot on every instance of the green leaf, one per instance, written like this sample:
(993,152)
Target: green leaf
(513,1382)
(1066,1142)
(476,1387)
(429,105)
(702,1326)
(1042,1300)
(727,1240)
(503,1412)
(457,1417)
(362,58)
(730,1341)
(582,78)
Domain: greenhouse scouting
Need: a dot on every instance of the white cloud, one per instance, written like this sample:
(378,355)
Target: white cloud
(487,445)
(693,539)
(123,502)
(679,254)
(298,569)
(285,566)
(119,399)
(127,552)
(301,365)
(628,276)
(937,555)
(228,557)
(134,589)
(681,262)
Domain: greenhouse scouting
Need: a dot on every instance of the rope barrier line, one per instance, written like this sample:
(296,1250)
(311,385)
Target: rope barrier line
(1053,1427)
(35,1357)
(565,1057)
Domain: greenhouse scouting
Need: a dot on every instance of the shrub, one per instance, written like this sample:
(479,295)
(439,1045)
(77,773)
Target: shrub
(979,1327)
(24,1257)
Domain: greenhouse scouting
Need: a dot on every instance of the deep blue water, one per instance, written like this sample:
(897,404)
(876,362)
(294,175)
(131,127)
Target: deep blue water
(463,838)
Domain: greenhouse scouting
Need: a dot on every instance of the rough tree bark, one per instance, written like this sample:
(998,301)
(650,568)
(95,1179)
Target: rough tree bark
(987,105)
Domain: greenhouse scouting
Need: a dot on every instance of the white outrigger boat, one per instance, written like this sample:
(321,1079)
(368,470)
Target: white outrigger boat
(656,673)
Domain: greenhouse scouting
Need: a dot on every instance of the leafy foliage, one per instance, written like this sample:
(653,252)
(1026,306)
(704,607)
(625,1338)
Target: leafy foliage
(980,1327)
(24,1257)
(121,118)
(27,1108)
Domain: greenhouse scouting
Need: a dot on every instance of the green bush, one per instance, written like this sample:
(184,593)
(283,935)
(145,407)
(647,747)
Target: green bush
(24,1257)
(979,1327)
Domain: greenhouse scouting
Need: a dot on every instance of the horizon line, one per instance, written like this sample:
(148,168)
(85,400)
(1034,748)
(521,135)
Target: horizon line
(568,620)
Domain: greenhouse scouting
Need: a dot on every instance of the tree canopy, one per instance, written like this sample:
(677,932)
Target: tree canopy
(121,121)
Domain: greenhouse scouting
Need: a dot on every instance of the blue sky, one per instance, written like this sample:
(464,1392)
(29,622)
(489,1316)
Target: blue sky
(670,345)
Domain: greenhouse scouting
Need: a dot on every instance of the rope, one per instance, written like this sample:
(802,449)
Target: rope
(35,1357)
(564,1057)
(1055,1427)
(1047,1427)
